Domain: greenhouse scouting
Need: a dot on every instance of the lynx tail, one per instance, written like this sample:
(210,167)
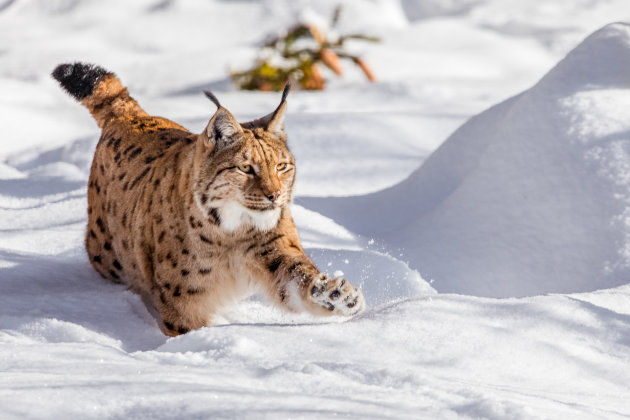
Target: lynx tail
(99,90)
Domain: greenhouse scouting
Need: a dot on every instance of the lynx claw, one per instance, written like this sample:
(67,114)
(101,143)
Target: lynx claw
(337,295)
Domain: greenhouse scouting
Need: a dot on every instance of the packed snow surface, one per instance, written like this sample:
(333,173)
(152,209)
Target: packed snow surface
(420,176)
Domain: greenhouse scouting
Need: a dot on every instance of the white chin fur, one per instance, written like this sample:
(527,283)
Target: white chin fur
(233,215)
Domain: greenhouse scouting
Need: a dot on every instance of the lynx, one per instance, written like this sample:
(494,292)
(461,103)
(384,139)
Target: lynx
(194,222)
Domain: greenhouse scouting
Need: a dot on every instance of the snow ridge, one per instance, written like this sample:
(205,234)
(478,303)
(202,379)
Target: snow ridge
(531,189)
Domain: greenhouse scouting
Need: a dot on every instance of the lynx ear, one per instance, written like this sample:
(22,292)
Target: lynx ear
(223,129)
(274,122)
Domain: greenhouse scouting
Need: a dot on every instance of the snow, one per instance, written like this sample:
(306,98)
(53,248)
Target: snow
(533,188)
(518,217)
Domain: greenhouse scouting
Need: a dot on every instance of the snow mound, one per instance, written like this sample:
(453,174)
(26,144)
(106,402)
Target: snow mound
(531,196)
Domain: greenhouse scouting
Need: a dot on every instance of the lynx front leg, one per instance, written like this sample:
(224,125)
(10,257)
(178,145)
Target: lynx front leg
(177,320)
(297,285)
(181,305)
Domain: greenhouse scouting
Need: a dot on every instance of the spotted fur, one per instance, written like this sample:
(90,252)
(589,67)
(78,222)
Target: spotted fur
(194,222)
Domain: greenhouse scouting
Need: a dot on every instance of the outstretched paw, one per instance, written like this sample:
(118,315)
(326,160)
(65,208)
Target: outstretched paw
(336,295)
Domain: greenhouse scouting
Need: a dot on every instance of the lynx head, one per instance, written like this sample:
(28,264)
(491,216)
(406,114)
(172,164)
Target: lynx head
(244,173)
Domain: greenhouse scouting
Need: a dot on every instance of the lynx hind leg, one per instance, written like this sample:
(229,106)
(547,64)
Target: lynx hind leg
(98,238)
(337,295)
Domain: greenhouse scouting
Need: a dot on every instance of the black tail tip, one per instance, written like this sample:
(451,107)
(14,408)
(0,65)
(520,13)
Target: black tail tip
(79,79)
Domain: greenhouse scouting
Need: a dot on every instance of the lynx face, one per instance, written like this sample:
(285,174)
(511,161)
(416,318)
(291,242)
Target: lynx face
(245,175)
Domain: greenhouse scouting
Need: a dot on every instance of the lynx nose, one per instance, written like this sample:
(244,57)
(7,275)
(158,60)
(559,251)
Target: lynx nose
(273,196)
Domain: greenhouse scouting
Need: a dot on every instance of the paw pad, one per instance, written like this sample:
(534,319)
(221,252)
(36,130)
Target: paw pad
(337,296)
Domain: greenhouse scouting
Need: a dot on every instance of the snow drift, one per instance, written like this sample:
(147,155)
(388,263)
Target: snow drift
(529,197)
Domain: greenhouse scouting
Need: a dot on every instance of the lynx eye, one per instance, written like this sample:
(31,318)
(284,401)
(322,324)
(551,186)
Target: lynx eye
(245,168)
(281,167)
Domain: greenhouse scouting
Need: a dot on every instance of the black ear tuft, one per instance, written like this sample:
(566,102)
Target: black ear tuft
(79,79)
(285,91)
(273,122)
(213,98)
